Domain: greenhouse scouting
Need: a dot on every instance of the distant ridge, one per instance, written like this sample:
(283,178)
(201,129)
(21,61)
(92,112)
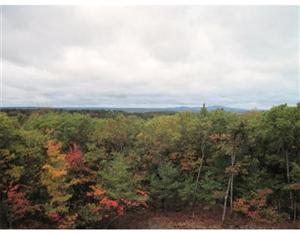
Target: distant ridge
(136,110)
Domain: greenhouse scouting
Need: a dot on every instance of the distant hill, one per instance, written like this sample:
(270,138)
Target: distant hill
(135,110)
(183,108)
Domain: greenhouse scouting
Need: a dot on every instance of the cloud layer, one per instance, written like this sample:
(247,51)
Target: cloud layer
(150,56)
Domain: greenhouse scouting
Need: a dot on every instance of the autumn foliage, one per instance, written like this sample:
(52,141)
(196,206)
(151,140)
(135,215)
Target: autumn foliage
(74,157)
(19,204)
(89,169)
(257,207)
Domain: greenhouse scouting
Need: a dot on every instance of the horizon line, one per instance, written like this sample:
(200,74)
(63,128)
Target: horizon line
(124,107)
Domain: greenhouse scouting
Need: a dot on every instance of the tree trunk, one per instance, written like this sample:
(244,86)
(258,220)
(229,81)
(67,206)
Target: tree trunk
(287,166)
(225,200)
(231,194)
(10,224)
(231,184)
(288,177)
(295,210)
(198,177)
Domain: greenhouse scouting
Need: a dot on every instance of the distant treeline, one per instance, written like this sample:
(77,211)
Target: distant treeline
(86,168)
(98,113)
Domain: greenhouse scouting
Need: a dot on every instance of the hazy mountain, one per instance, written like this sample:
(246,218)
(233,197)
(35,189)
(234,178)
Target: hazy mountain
(140,110)
(183,108)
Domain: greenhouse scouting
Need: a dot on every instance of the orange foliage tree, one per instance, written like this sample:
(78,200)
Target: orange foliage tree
(256,208)
(74,157)
(54,178)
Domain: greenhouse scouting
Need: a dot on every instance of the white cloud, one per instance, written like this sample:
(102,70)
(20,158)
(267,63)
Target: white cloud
(150,56)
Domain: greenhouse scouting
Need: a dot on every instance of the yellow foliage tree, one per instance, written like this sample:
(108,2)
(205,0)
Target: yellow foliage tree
(54,179)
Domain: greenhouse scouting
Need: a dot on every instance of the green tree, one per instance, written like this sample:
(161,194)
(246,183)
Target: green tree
(165,186)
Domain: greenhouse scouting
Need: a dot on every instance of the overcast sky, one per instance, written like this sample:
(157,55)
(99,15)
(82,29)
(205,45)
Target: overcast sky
(150,56)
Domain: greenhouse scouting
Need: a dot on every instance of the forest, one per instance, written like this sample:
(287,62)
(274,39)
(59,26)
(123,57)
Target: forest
(70,170)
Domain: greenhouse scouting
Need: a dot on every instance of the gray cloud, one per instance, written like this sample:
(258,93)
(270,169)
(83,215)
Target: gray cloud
(150,56)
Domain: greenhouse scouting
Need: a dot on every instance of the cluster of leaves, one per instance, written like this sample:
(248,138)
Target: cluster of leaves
(108,196)
(72,170)
(256,208)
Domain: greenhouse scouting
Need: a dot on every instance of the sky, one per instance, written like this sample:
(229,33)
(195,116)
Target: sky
(150,56)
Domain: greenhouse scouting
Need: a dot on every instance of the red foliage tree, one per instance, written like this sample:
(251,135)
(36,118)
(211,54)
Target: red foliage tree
(105,205)
(75,156)
(20,206)
(256,208)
